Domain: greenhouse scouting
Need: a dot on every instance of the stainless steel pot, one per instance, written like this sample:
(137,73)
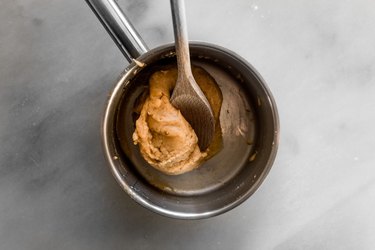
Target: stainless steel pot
(249,122)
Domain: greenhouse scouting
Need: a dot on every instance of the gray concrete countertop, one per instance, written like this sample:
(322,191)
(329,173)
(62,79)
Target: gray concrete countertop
(57,66)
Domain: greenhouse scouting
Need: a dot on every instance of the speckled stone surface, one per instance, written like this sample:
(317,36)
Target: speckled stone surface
(57,66)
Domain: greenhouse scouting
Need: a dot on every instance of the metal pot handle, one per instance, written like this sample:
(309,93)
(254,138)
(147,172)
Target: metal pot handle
(119,28)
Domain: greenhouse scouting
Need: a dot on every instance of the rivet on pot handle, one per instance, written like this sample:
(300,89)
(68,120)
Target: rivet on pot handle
(119,28)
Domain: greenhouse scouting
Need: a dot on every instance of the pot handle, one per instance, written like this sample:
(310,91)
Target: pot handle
(119,28)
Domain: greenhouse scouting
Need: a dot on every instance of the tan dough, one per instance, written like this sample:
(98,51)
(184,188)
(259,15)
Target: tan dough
(166,140)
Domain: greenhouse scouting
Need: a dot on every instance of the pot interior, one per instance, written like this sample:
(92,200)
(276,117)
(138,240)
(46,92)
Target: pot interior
(249,126)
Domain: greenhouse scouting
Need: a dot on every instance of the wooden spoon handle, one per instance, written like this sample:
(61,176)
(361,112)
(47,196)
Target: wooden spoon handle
(181,37)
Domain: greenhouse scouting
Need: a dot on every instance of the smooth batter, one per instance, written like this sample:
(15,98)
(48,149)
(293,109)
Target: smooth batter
(166,140)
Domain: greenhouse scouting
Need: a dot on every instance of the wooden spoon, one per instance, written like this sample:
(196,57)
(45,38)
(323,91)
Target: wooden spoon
(187,96)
